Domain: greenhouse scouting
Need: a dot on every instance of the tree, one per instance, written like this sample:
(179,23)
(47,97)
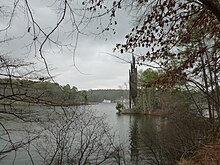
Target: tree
(38,40)
(67,91)
(213,6)
(149,75)
(148,96)
(159,29)
(86,139)
(72,19)
(74,92)
(85,97)
(181,37)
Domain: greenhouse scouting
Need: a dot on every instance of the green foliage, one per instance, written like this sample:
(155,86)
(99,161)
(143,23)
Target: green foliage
(152,98)
(119,106)
(42,90)
(150,75)
(85,96)
(68,92)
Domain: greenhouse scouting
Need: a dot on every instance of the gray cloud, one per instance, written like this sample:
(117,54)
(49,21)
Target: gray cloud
(99,70)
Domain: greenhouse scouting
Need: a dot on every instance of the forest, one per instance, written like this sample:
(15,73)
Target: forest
(19,92)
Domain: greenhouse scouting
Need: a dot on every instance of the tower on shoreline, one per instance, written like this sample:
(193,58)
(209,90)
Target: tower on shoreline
(133,84)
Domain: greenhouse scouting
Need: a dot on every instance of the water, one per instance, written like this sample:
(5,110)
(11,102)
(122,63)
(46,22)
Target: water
(127,129)
(132,131)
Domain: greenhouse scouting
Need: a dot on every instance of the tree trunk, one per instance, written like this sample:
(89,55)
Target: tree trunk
(213,6)
(206,88)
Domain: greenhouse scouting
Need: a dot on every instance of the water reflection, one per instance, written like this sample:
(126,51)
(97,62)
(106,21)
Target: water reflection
(137,132)
(133,139)
(142,134)
(134,131)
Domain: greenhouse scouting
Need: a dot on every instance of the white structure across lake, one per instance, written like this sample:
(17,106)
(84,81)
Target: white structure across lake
(106,101)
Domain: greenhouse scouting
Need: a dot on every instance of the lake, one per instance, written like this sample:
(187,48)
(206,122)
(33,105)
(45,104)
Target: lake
(127,130)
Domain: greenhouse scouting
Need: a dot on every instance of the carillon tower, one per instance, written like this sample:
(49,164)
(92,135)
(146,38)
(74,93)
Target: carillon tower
(133,84)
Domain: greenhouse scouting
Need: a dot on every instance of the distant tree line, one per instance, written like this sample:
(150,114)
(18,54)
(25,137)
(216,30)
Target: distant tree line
(14,91)
(106,94)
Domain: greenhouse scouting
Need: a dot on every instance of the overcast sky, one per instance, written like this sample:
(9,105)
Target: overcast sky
(95,67)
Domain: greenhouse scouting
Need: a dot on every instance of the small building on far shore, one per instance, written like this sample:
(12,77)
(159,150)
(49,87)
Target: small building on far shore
(106,101)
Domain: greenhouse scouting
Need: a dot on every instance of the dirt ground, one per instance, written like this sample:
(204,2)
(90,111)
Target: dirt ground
(206,155)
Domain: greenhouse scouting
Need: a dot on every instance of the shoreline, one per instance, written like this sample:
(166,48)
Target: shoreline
(138,112)
(44,104)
